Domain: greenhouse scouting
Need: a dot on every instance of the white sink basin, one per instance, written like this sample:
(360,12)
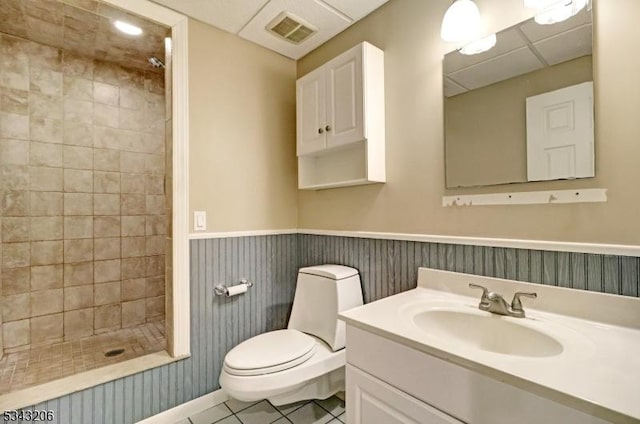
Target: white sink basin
(488,332)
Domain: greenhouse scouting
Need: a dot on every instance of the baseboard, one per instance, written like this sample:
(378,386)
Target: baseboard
(188,409)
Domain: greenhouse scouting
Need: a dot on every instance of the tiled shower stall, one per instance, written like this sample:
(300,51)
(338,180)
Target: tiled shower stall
(82,186)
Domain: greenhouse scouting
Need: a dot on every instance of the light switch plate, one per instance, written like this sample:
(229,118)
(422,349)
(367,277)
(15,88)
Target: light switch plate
(199,221)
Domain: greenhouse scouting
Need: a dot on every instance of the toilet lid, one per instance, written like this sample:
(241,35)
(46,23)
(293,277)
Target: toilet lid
(270,352)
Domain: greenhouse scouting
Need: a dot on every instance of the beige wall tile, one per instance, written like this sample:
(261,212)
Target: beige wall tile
(14,152)
(15,307)
(154,164)
(44,56)
(78,88)
(107,317)
(133,247)
(133,289)
(78,274)
(78,204)
(80,250)
(78,134)
(78,227)
(77,157)
(155,204)
(106,160)
(46,302)
(45,107)
(46,228)
(154,143)
(45,203)
(78,111)
(13,125)
(45,178)
(14,101)
(133,268)
(106,226)
(106,93)
(131,120)
(133,313)
(16,255)
(78,297)
(155,245)
(106,182)
(154,306)
(131,98)
(133,204)
(106,271)
(154,184)
(78,323)
(78,181)
(49,130)
(155,265)
(133,226)
(45,154)
(132,184)
(77,65)
(107,293)
(15,280)
(106,204)
(108,138)
(14,177)
(15,333)
(45,81)
(15,229)
(132,162)
(155,286)
(46,277)
(48,328)
(106,248)
(46,252)
(156,225)
(106,116)
(15,203)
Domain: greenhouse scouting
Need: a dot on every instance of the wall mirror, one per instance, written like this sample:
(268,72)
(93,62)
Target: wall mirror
(523,110)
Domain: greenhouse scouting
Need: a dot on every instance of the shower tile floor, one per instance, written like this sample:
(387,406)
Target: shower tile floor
(39,365)
(327,411)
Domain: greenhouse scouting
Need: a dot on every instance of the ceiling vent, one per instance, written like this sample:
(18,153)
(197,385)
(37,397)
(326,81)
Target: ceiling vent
(291,28)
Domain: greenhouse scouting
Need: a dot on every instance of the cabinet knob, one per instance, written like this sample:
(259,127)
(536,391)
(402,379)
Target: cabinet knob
(328,128)
(320,130)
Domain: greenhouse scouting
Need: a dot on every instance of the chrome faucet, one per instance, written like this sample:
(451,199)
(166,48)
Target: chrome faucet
(495,303)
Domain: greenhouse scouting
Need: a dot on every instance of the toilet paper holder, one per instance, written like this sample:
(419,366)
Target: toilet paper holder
(222,290)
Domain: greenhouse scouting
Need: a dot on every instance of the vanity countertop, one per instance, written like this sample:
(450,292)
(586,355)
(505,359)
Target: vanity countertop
(597,372)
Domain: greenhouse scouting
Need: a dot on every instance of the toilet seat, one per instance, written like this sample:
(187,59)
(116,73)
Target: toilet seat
(269,353)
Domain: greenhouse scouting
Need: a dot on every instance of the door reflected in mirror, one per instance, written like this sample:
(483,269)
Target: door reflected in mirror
(523,110)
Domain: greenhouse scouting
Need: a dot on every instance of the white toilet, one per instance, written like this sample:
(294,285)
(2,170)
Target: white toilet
(305,361)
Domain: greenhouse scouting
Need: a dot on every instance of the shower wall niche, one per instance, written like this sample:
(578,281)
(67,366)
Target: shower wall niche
(83,212)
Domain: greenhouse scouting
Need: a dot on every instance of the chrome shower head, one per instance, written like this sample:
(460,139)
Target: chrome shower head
(156,63)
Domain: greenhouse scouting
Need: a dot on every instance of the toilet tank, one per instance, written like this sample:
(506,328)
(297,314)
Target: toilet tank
(322,292)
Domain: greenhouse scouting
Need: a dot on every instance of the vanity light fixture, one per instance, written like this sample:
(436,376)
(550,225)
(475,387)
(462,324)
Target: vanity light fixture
(479,46)
(554,11)
(461,22)
(127,28)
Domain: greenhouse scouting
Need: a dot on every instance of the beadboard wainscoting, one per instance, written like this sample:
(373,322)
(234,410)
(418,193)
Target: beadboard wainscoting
(271,262)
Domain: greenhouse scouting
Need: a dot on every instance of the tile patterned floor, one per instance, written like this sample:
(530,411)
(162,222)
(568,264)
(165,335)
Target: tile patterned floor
(328,411)
(43,364)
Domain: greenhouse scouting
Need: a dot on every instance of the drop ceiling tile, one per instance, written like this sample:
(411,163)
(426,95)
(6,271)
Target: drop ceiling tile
(536,32)
(506,41)
(566,46)
(315,12)
(229,15)
(517,62)
(355,9)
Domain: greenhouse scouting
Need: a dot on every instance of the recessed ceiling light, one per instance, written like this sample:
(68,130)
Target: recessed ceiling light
(127,28)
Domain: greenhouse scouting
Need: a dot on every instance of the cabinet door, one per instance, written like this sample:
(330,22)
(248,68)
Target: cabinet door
(345,99)
(371,401)
(310,112)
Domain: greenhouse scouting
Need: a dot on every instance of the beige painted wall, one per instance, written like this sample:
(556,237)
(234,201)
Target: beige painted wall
(242,132)
(408,32)
(485,128)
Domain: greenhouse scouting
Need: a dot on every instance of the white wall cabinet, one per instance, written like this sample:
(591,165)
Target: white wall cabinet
(340,121)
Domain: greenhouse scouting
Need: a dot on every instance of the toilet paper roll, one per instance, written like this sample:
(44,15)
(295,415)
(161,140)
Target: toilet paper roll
(236,290)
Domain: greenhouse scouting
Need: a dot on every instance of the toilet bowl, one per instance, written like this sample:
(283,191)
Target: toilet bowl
(306,360)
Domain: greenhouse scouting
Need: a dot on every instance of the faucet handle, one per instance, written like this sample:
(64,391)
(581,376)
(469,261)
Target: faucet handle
(485,292)
(516,304)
